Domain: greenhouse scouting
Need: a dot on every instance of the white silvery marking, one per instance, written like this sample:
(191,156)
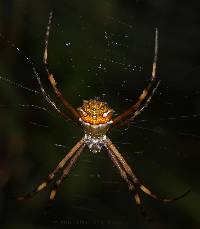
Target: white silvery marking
(95,143)
(95,136)
(106,113)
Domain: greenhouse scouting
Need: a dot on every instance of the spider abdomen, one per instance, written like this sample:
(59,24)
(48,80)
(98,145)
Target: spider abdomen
(95,143)
(95,135)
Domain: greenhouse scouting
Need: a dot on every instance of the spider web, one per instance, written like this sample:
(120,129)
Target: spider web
(112,63)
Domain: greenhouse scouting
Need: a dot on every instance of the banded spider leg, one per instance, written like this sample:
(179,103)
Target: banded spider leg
(111,147)
(131,185)
(72,111)
(145,97)
(73,153)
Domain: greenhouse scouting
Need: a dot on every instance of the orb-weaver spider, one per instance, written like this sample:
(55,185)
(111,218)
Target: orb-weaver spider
(95,117)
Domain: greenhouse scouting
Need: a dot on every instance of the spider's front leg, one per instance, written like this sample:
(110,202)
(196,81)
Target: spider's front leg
(51,78)
(146,95)
(51,176)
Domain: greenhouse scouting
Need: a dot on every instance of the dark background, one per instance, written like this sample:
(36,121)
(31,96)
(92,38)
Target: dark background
(93,48)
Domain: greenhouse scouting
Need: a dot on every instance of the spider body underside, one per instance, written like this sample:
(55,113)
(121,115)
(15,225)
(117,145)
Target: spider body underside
(95,117)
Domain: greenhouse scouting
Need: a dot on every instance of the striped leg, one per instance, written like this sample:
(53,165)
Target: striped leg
(44,93)
(66,171)
(135,180)
(139,111)
(128,114)
(53,82)
(48,98)
(51,176)
(130,184)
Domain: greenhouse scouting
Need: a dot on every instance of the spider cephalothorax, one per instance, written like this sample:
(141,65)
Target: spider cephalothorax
(95,112)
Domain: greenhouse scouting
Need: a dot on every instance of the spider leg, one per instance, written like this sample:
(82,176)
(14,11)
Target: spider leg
(44,93)
(52,81)
(131,111)
(66,171)
(130,184)
(51,176)
(47,97)
(134,178)
(139,111)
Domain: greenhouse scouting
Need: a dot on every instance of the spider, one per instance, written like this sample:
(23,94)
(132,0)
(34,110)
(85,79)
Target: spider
(96,118)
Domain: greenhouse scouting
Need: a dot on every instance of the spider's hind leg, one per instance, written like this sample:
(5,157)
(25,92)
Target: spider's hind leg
(154,196)
(65,173)
(134,178)
(51,176)
(131,186)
